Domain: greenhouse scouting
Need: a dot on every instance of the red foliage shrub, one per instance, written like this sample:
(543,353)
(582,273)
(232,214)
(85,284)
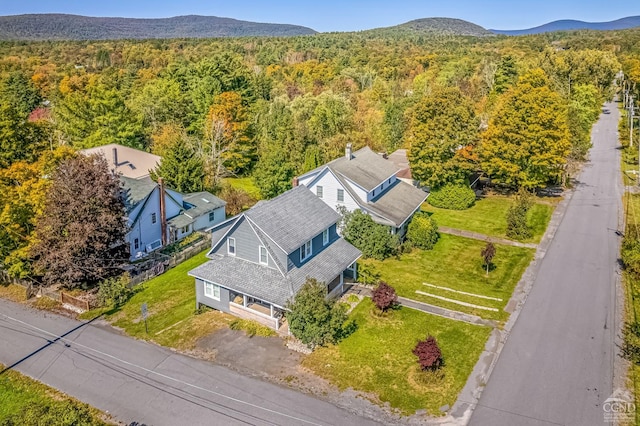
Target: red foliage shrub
(428,353)
(384,296)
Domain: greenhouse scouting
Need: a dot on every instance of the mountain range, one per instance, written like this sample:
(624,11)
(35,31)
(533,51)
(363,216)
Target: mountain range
(568,25)
(54,26)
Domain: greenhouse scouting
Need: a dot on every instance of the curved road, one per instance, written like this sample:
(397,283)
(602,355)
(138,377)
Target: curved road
(138,381)
(557,365)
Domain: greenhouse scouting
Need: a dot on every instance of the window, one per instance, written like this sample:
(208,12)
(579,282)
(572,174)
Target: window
(305,251)
(374,192)
(154,219)
(185,229)
(231,246)
(319,191)
(341,195)
(212,216)
(325,237)
(136,244)
(211,290)
(264,259)
(389,181)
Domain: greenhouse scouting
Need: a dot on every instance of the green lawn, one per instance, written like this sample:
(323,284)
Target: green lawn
(171,300)
(26,401)
(246,184)
(455,263)
(377,358)
(488,216)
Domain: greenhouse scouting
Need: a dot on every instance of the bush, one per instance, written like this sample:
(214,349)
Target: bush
(423,231)
(237,199)
(630,252)
(517,226)
(384,296)
(316,320)
(372,239)
(114,291)
(452,197)
(429,354)
(64,413)
(367,274)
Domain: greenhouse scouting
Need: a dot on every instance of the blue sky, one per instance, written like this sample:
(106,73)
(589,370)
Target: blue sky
(345,15)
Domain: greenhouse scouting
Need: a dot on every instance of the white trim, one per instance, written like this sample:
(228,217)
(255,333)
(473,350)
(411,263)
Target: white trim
(211,294)
(275,260)
(224,236)
(303,249)
(229,246)
(266,254)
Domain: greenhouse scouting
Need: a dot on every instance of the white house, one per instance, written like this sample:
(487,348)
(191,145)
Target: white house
(154,220)
(365,180)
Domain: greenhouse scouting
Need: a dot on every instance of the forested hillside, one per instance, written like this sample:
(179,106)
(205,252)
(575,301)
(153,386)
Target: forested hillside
(273,108)
(572,25)
(53,26)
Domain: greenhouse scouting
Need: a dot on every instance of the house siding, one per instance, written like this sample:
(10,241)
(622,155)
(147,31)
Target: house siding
(203,222)
(247,243)
(317,247)
(330,186)
(221,305)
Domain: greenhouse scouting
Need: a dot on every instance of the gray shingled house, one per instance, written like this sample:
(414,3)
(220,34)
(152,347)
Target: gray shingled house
(367,181)
(261,258)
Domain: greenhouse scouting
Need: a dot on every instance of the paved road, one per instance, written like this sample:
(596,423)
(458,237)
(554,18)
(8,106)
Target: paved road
(557,365)
(137,381)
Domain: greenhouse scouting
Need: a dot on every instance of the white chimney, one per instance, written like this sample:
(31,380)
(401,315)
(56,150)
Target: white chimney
(347,152)
(115,156)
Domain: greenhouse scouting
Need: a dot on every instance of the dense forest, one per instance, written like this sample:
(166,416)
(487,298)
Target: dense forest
(518,109)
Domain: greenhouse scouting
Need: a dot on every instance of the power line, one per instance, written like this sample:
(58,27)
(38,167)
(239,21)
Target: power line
(164,376)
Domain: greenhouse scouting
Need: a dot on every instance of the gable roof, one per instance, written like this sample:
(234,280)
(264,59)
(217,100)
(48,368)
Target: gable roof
(292,218)
(131,162)
(136,190)
(365,168)
(400,160)
(268,284)
(397,203)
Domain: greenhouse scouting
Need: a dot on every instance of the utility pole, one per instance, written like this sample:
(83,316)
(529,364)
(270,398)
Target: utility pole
(631,123)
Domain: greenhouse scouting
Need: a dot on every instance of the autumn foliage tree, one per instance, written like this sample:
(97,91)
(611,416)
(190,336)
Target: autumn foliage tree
(487,253)
(440,125)
(527,141)
(80,235)
(384,296)
(429,354)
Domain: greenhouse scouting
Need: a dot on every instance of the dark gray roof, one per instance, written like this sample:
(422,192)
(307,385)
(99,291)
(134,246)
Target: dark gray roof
(269,284)
(137,189)
(366,168)
(180,220)
(397,203)
(292,218)
(202,202)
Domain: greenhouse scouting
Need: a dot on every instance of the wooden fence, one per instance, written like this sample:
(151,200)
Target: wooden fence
(163,265)
(74,301)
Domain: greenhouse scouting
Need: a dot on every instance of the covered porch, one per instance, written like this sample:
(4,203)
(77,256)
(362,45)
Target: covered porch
(265,313)
(336,287)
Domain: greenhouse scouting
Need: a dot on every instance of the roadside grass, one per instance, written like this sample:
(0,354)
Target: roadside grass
(27,401)
(377,358)
(632,292)
(488,216)
(171,319)
(246,184)
(455,263)
(13,292)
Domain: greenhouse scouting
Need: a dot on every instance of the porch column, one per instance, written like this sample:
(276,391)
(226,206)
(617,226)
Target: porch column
(244,300)
(271,308)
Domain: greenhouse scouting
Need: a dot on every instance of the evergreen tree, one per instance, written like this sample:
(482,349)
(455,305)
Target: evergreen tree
(181,169)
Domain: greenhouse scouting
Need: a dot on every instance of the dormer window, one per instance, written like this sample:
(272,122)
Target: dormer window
(231,246)
(305,251)
(325,237)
